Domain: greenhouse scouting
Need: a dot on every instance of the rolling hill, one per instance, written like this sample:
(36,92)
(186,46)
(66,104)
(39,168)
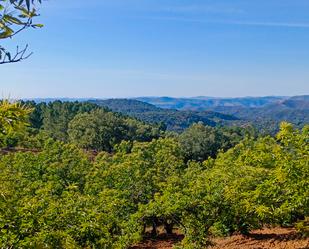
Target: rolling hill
(263,112)
(174,120)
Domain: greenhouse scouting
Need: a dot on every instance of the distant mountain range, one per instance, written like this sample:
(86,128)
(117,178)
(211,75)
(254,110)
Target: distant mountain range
(207,103)
(178,113)
(263,112)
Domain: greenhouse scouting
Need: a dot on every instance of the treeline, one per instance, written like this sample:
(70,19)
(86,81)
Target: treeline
(93,127)
(86,124)
(204,182)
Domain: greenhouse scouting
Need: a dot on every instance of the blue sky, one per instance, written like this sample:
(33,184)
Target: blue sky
(127,48)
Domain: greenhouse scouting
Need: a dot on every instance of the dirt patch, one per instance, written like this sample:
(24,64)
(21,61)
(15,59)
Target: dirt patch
(276,238)
(6,151)
(162,242)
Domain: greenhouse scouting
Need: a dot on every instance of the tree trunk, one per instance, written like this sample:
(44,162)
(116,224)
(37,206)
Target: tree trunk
(154,231)
(168,227)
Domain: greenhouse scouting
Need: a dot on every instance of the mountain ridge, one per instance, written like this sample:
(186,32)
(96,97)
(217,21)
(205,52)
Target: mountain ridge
(202,103)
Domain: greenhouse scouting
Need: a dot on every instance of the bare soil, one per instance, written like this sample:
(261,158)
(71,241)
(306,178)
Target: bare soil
(162,242)
(6,151)
(276,238)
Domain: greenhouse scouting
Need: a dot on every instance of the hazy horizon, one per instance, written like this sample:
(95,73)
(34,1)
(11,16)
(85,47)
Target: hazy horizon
(161,96)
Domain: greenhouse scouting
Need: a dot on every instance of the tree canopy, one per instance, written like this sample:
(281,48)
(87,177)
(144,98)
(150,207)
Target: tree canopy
(60,197)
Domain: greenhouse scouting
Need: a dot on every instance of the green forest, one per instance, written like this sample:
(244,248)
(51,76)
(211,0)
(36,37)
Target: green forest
(179,114)
(76,175)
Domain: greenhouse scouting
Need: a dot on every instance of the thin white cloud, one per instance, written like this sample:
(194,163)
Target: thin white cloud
(233,22)
(203,9)
(272,24)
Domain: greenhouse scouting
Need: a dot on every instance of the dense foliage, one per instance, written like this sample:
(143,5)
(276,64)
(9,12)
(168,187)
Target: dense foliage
(13,119)
(101,130)
(206,181)
(199,142)
(85,124)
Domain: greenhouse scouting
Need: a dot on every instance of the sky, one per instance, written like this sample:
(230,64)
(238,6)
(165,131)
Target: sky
(180,48)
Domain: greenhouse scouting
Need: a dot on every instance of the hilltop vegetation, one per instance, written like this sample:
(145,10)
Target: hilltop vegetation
(96,128)
(86,124)
(173,119)
(204,182)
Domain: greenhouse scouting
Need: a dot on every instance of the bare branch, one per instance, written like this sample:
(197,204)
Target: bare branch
(20,55)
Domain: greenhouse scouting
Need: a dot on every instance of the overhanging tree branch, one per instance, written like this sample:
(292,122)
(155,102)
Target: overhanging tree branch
(15,17)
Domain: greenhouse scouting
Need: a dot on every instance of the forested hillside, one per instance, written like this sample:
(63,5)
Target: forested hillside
(202,183)
(174,120)
(268,117)
(86,124)
(265,113)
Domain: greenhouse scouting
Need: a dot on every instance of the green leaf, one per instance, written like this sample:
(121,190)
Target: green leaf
(13,20)
(37,26)
(7,33)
